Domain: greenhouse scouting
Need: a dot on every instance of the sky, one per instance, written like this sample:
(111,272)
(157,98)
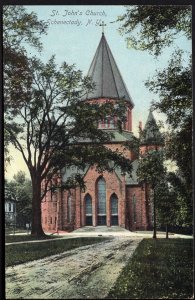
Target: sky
(73,36)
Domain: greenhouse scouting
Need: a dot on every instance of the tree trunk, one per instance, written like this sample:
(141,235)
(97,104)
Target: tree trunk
(167,233)
(36,229)
(154,208)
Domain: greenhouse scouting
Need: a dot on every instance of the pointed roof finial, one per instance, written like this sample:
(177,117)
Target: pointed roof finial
(102,25)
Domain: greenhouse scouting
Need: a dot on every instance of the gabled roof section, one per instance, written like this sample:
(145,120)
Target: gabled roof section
(106,75)
(151,133)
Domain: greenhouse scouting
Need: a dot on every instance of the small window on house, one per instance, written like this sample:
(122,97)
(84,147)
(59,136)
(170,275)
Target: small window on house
(50,220)
(10,207)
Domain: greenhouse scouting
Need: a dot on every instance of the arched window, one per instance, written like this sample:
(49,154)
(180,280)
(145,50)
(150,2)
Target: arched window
(69,202)
(101,195)
(134,208)
(114,209)
(88,210)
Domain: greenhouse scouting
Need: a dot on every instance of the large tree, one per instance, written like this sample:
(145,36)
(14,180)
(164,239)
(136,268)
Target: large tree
(151,172)
(152,28)
(167,204)
(174,87)
(49,126)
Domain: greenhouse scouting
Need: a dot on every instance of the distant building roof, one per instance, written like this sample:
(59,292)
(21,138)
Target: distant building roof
(106,75)
(122,136)
(151,133)
(133,179)
(67,172)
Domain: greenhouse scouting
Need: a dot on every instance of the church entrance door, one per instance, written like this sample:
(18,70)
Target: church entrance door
(101,193)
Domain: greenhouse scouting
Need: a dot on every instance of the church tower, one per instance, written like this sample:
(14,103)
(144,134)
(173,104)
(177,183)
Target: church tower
(109,84)
(110,199)
(150,137)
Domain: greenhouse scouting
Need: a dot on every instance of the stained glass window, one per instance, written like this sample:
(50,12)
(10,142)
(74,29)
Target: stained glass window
(114,204)
(101,193)
(88,210)
(101,196)
(114,210)
(88,204)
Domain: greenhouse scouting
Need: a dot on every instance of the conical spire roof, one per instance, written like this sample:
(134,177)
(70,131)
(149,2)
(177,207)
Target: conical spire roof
(151,133)
(106,75)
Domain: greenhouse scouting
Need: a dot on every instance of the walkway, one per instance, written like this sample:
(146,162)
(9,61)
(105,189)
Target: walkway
(87,272)
(89,231)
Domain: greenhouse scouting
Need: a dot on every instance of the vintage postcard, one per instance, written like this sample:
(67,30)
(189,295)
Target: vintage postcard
(98,159)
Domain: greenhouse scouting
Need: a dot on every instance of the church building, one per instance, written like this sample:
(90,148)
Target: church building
(110,199)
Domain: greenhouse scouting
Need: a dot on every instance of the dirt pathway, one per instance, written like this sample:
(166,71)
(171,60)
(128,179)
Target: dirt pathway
(87,272)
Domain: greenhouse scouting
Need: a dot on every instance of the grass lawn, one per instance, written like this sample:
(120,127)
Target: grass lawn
(23,238)
(22,253)
(158,269)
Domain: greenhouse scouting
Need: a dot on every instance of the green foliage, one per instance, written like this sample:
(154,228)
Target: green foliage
(22,253)
(19,28)
(174,88)
(151,168)
(183,197)
(21,188)
(152,27)
(167,203)
(159,269)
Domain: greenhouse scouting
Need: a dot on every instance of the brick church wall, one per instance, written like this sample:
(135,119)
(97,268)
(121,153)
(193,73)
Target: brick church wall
(113,185)
(136,220)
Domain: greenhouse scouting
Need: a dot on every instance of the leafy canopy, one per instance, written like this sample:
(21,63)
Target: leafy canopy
(152,27)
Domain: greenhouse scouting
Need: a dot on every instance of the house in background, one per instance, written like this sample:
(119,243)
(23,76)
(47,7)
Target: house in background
(10,208)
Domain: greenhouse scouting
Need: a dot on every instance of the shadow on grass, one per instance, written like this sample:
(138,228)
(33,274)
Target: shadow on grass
(24,238)
(22,253)
(158,269)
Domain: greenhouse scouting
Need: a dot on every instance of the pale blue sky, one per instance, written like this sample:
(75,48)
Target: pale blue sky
(77,44)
